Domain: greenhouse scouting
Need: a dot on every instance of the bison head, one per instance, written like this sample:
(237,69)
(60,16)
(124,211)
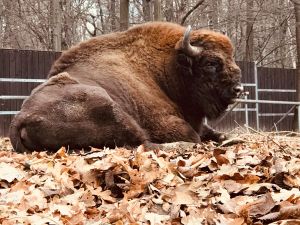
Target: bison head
(209,72)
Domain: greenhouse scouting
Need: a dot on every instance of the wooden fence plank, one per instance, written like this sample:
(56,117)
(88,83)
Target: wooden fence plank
(12,74)
(2,86)
(41,70)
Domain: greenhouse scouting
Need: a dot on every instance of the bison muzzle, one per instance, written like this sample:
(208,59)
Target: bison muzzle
(154,83)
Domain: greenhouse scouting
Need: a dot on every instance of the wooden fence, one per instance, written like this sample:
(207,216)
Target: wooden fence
(263,83)
(20,64)
(20,71)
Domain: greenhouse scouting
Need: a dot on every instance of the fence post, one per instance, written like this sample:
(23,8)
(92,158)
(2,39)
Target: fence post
(246,114)
(298,106)
(256,95)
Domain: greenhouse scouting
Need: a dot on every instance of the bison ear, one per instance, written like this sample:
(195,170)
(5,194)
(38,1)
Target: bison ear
(62,79)
(185,46)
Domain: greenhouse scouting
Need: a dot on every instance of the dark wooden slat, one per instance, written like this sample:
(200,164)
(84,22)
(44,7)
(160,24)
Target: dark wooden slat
(35,61)
(48,62)
(21,88)
(11,74)
(30,69)
(40,68)
(6,87)
(2,88)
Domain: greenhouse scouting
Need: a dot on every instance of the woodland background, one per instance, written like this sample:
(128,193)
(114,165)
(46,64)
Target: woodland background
(261,30)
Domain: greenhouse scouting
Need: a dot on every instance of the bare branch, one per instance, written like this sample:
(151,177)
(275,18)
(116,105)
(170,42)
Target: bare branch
(191,11)
(296,2)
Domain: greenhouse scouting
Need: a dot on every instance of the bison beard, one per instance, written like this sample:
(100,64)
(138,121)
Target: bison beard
(154,83)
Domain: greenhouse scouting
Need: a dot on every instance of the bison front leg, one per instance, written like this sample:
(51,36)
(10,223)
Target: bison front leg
(173,132)
(127,131)
(174,129)
(207,133)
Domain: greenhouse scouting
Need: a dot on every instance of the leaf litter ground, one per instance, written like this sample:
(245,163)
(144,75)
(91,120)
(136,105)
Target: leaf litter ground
(254,180)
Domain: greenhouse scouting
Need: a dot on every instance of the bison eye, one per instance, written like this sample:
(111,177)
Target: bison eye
(212,63)
(212,67)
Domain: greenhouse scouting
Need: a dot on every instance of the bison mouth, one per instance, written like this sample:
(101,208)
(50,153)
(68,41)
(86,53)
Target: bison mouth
(228,94)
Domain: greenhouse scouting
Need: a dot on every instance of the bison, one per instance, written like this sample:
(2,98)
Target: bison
(154,83)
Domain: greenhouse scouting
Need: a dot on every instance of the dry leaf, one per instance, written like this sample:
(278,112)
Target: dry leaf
(156,219)
(259,207)
(9,173)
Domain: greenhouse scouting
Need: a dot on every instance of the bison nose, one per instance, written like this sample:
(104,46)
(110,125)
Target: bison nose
(237,90)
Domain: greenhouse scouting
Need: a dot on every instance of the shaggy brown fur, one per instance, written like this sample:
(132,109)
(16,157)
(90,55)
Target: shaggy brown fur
(139,85)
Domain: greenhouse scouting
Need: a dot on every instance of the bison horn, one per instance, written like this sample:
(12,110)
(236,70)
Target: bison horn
(186,45)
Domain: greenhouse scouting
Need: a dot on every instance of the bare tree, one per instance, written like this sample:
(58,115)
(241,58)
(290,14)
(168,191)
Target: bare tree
(113,14)
(157,10)
(67,24)
(191,11)
(169,10)
(124,14)
(213,15)
(249,38)
(147,10)
(10,34)
(56,21)
(261,30)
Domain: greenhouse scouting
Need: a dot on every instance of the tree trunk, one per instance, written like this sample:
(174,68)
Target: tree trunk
(147,10)
(249,38)
(67,25)
(283,23)
(103,24)
(157,10)
(10,34)
(113,14)
(283,48)
(230,20)
(297,15)
(124,14)
(213,16)
(1,24)
(169,11)
(56,18)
